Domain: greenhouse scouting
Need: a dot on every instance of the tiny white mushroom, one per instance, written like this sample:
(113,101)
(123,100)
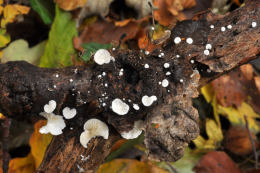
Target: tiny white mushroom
(56,75)
(166,65)
(206,52)
(119,107)
(223,29)
(136,107)
(146,52)
(69,113)
(102,56)
(104,74)
(50,107)
(181,80)
(148,101)
(208,46)
(55,124)
(211,26)
(254,24)
(135,132)
(229,27)
(92,128)
(178,56)
(165,83)
(192,61)
(146,66)
(71,80)
(177,40)
(189,40)
(168,73)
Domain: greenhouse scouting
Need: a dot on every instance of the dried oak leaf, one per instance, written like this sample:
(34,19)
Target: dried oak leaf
(238,86)
(215,162)
(170,11)
(70,5)
(105,32)
(238,142)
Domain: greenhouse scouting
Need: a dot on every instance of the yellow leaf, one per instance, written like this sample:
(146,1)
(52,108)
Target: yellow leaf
(129,166)
(1,10)
(1,2)
(39,143)
(22,165)
(208,92)
(4,38)
(236,116)
(214,132)
(2,117)
(11,11)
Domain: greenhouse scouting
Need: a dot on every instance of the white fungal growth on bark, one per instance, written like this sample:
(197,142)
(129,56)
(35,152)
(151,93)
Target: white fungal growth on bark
(223,29)
(93,128)
(136,107)
(189,40)
(148,101)
(69,113)
(50,107)
(166,65)
(119,107)
(135,132)
(165,83)
(208,46)
(146,66)
(102,56)
(254,24)
(177,40)
(206,52)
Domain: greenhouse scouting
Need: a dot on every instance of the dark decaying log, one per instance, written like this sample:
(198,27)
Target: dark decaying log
(170,123)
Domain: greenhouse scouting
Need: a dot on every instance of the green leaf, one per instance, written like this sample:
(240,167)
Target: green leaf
(4,38)
(45,8)
(23,52)
(59,49)
(91,48)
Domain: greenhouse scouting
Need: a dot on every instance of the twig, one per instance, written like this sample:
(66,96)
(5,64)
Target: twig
(172,168)
(6,156)
(252,143)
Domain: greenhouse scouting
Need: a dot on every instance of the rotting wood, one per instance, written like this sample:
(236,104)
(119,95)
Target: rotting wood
(170,124)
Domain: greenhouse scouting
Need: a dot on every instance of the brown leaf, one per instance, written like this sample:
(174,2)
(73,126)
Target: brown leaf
(238,86)
(216,162)
(70,5)
(238,142)
(169,11)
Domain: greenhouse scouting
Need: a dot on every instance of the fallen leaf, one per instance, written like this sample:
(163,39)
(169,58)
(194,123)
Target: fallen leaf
(10,11)
(23,52)
(59,48)
(128,165)
(216,162)
(39,143)
(238,142)
(22,165)
(169,11)
(45,8)
(4,38)
(69,4)
(214,140)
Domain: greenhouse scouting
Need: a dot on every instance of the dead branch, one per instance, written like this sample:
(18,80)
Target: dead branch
(170,124)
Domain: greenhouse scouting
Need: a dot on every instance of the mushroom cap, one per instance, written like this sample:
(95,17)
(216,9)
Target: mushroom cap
(55,124)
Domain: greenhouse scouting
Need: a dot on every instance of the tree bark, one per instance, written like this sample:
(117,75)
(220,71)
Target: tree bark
(170,123)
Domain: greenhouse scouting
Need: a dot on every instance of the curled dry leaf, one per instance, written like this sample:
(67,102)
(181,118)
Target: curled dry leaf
(215,162)
(238,86)
(169,11)
(238,142)
(70,5)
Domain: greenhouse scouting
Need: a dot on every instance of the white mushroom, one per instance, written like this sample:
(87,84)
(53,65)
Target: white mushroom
(69,113)
(93,128)
(50,107)
(135,132)
(102,56)
(148,101)
(55,124)
(119,107)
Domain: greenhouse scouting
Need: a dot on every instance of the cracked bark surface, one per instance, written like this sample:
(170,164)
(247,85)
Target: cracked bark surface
(170,123)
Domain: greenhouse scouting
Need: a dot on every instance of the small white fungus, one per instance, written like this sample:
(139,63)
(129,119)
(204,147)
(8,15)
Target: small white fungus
(166,65)
(165,83)
(177,40)
(159,82)
(104,74)
(223,29)
(113,48)
(54,86)
(121,72)
(168,73)
(135,132)
(254,24)
(189,40)
(119,107)
(55,124)
(50,107)
(136,107)
(148,101)
(192,61)
(181,80)
(146,52)
(102,56)
(229,27)
(206,52)
(178,56)
(152,28)
(56,75)
(71,80)
(146,66)
(211,26)
(93,128)
(106,85)
(208,46)
(69,113)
